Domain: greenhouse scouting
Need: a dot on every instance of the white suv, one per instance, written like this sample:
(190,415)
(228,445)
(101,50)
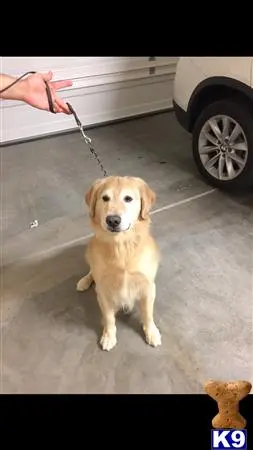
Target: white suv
(213,100)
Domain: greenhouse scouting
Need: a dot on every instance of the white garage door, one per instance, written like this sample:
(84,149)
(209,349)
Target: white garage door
(104,89)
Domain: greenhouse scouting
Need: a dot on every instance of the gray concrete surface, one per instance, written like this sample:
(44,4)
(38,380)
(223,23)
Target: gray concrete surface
(49,332)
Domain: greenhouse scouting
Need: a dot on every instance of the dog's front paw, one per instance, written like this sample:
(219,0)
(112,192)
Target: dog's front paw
(84,284)
(153,336)
(108,340)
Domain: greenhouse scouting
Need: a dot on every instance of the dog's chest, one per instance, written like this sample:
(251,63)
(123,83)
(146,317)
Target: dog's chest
(127,259)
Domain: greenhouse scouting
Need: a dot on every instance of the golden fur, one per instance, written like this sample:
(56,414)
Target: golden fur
(123,263)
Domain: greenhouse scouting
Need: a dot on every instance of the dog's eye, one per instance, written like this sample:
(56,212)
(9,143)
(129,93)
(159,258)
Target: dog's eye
(128,199)
(106,198)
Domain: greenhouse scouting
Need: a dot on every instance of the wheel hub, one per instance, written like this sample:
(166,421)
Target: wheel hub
(223,148)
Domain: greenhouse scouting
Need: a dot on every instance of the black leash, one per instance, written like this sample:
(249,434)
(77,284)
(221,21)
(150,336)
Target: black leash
(78,122)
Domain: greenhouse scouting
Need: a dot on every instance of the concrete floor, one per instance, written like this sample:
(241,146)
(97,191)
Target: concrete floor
(204,287)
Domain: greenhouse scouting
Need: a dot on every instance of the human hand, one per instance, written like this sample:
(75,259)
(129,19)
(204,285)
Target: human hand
(33,92)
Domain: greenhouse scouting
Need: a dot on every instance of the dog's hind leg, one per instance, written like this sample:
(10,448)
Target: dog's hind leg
(150,329)
(85,282)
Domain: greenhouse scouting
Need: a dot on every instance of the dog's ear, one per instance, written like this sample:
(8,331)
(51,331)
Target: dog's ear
(91,195)
(148,198)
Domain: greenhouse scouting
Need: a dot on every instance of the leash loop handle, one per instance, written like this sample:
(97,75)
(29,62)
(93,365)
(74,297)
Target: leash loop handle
(32,72)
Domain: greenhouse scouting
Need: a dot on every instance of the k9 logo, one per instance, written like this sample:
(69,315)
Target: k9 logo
(227,439)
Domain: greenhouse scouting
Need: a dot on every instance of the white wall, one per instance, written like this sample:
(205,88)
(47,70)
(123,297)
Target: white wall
(104,89)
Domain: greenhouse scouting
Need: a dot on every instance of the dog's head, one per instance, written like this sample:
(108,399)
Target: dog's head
(117,203)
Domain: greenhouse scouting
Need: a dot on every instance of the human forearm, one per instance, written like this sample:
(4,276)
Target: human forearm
(15,92)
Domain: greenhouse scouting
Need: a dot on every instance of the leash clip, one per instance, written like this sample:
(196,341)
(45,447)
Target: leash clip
(86,138)
(78,122)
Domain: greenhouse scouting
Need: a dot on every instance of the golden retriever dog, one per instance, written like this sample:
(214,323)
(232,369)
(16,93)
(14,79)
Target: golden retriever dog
(122,255)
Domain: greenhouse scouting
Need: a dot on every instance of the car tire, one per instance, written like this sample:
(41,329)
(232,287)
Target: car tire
(231,167)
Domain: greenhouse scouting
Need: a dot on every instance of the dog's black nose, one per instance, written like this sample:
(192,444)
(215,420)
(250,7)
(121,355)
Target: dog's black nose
(113,221)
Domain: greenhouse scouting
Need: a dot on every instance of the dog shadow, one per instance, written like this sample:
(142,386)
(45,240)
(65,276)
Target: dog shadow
(48,287)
